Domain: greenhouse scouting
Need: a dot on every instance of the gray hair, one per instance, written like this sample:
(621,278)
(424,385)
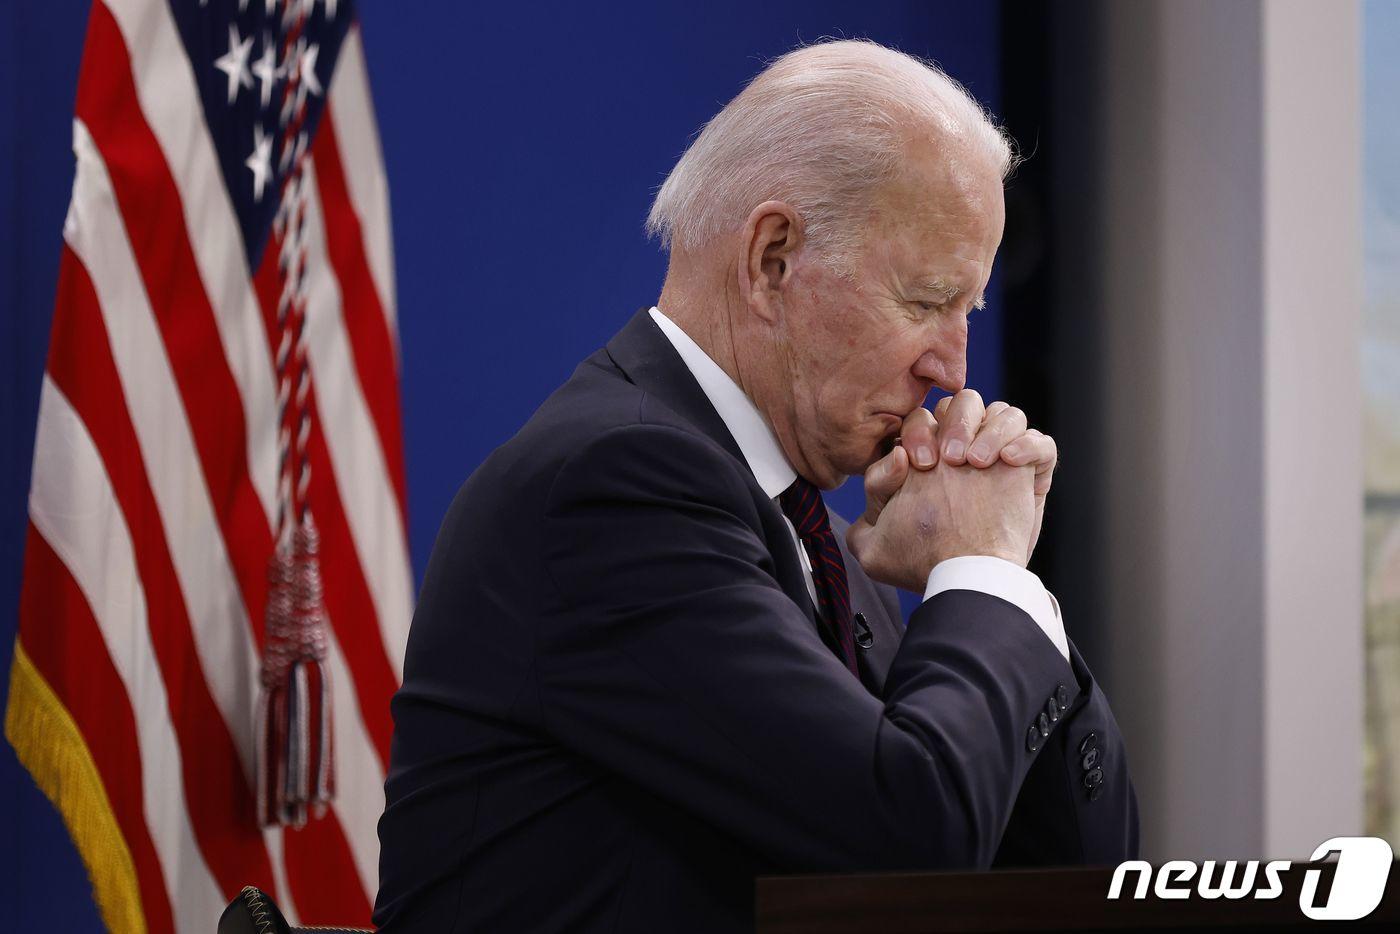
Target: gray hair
(820,128)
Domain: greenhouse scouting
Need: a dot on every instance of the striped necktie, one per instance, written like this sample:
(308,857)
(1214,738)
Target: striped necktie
(803,505)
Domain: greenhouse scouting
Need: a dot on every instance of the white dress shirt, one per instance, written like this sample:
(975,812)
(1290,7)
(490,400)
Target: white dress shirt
(758,444)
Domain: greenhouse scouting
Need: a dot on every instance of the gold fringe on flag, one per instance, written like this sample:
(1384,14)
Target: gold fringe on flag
(53,750)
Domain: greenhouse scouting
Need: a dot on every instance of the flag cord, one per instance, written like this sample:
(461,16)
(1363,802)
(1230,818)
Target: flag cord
(296,775)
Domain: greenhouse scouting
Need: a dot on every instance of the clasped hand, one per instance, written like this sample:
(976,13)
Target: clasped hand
(962,480)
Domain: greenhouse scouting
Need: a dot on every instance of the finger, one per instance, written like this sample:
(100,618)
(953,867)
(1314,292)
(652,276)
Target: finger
(917,437)
(1034,448)
(882,480)
(1003,425)
(958,425)
(941,408)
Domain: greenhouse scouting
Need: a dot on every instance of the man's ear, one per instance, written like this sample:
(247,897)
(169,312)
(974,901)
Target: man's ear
(771,238)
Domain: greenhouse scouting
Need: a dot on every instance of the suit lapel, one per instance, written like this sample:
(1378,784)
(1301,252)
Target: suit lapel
(645,356)
(648,359)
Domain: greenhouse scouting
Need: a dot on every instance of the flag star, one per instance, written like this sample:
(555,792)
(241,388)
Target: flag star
(269,6)
(307,64)
(330,9)
(265,68)
(260,162)
(234,63)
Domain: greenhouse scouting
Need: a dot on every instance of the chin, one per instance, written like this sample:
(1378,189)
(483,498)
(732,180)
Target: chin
(854,464)
(862,447)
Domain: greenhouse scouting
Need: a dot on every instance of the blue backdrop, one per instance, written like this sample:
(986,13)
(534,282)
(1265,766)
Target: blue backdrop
(523,144)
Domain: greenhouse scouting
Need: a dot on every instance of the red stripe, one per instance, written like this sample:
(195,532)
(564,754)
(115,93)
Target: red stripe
(348,603)
(832,556)
(60,635)
(155,225)
(838,569)
(316,853)
(150,203)
(217,793)
(371,341)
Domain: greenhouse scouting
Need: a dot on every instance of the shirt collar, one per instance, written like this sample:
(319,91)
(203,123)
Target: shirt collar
(745,422)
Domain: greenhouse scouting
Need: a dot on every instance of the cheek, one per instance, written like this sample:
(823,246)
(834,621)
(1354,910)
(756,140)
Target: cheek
(829,320)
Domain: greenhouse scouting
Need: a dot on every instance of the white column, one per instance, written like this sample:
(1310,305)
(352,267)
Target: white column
(1313,294)
(1230,296)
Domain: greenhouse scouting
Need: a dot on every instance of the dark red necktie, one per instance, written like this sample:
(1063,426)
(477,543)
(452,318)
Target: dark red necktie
(802,504)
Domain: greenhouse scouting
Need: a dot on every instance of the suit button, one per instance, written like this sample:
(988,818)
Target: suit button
(1052,710)
(1043,722)
(1089,742)
(1096,792)
(1062,696)
(1091,759)
(1033,739)
(1093,777)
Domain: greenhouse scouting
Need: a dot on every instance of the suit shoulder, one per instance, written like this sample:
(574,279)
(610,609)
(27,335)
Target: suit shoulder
(651,458)
(597,417)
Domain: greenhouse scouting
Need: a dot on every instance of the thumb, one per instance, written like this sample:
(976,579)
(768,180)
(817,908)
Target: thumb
(882,480)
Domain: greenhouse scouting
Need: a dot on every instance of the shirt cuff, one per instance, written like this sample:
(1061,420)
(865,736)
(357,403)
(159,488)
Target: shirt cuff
(1000,578)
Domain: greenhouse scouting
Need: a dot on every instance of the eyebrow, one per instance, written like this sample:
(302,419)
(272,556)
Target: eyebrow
(938,285)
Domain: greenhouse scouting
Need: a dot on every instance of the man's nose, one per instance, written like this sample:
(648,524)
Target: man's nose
(945,361)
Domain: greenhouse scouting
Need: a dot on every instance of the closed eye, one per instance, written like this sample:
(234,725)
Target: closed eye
(977,305)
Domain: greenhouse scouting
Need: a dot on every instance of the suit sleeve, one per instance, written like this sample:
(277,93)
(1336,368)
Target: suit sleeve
(1077,804)
(671,657)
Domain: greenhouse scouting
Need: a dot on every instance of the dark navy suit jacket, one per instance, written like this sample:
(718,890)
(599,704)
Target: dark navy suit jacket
(617,708)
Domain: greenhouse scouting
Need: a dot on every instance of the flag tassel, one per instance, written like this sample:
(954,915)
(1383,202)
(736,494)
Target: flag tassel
(296,774)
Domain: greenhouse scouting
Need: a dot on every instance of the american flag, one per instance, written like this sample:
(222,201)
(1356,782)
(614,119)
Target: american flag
(222,373)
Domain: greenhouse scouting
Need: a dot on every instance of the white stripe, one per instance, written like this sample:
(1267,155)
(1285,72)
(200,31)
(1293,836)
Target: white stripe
(72,505)
(218,619)
(362,159)
(165,86)
(272,838)
(359,779)
(357,459)
(222,634)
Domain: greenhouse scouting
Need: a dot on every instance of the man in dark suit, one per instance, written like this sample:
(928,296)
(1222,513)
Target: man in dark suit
(648,665)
